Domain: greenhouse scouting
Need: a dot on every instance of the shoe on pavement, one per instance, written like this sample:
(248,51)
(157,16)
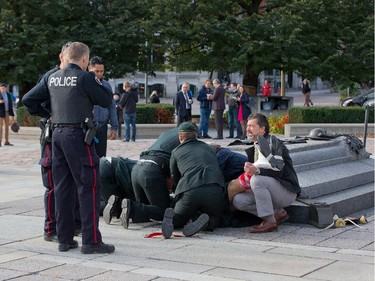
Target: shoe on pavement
(51,238)
(125,213)
(66,247)
(195,226)
(112,209)
(217,138)
(167,224)
(207,137)
(265,226)
(8,143)
(281,216)
(100,248)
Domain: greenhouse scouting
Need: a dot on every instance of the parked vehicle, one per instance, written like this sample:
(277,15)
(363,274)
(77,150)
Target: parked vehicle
(363,99)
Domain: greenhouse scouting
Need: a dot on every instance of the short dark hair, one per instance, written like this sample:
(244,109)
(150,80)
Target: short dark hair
(96,60)
(66,46)
(3,84)
(262,121)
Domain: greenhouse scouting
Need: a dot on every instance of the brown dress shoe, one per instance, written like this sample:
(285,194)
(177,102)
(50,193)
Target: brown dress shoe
(265,226)
(281,216)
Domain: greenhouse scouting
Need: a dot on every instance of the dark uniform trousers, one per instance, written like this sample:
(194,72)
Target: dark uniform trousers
(209,199)
(49,194)
(115,178)
(151,192)
(101,134)
(75,168)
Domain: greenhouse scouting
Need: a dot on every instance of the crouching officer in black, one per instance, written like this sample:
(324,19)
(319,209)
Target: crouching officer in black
(75,164)
(151,182)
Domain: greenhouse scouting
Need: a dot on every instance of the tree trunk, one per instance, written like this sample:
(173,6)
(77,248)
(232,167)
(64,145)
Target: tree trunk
(23,89)
(250,80)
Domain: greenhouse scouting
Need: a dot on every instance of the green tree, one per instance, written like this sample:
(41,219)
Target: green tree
(33,31)
(330,39)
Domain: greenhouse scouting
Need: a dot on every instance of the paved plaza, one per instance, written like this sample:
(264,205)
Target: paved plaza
(294,252)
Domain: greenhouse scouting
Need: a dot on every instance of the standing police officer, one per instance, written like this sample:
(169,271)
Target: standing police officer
(50,233)
(73,92)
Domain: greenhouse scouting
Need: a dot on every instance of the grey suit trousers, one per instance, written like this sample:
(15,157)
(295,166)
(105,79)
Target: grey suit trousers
(266,195)
(219,122)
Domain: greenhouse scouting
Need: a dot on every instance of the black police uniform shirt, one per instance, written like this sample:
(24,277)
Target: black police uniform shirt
(72,91)
(44,109)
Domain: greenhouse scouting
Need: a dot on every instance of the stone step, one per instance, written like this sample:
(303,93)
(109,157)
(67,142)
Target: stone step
(304,129)
(326,180)
(342,203)
(318,154)
(144,131)
(322,153)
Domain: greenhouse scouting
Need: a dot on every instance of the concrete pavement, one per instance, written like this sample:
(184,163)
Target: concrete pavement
(294,252)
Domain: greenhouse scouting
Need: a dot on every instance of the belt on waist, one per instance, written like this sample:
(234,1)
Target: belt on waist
(143,161)
(69,125)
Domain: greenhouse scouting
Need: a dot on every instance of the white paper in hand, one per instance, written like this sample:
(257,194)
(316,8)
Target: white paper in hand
(262,162)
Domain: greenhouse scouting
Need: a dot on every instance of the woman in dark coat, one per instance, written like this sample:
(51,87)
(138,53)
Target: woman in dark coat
(244,109)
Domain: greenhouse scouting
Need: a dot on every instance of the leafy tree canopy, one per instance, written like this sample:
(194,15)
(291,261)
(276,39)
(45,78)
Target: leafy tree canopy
(332,39)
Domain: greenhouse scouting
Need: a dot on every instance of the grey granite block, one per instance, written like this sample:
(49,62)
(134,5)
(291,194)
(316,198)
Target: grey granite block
(327,180)
(342,271)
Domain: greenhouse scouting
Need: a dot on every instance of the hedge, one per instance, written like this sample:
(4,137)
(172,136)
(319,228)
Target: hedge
(329,114)
(158,113)
(146,114)
(164,114)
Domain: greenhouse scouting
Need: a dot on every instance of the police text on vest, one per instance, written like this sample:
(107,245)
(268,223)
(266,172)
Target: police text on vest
(63,81)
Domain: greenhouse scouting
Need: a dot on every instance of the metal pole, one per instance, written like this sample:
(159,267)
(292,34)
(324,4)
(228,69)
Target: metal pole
(146,75)
(282,74)
(366,125)
(146,86)
(274,82)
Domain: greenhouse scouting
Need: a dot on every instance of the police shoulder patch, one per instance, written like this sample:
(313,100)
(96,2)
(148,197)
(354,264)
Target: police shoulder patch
(98,81)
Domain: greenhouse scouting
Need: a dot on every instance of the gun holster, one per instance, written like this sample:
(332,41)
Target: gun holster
(46,135)
(91,128)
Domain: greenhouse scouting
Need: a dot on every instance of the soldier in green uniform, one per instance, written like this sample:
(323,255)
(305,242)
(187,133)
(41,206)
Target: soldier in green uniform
(198,185)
